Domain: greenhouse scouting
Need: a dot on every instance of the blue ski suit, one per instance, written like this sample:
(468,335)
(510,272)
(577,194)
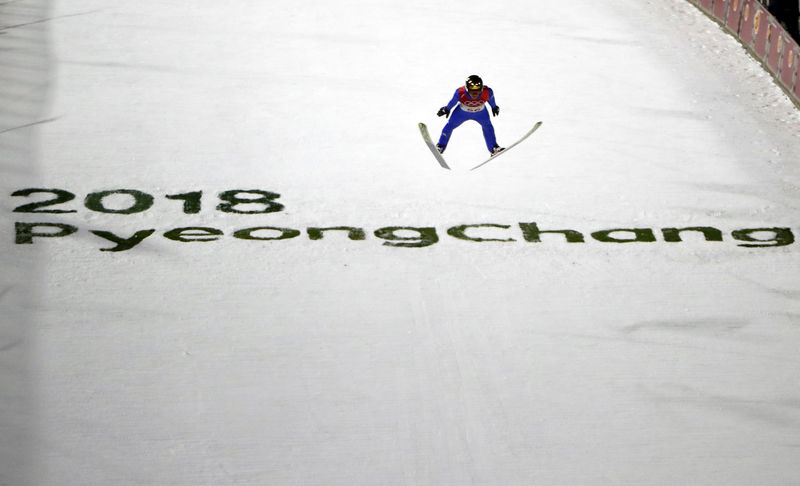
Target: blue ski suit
(470,108)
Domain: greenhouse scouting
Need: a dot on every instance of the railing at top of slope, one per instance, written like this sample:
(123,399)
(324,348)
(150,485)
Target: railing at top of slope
(762,34)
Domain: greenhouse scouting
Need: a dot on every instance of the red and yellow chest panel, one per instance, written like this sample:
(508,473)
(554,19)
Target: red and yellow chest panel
(468,103)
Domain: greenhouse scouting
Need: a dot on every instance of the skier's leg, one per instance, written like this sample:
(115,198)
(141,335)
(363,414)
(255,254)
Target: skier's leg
(488,129)
(456,119)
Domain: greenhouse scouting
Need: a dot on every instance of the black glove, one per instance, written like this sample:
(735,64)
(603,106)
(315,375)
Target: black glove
(443,111)
(496,111)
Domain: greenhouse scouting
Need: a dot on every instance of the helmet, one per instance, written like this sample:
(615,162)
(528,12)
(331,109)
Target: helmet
(474,83)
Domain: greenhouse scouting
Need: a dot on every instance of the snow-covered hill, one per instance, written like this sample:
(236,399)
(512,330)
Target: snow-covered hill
(615,301)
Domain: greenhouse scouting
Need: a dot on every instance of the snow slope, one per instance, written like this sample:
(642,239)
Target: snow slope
(412,353)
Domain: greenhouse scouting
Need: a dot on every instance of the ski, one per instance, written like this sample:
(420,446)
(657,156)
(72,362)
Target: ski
(530,132)
(427,138)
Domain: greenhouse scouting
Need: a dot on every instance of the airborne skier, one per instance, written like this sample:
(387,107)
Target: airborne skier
(470,100)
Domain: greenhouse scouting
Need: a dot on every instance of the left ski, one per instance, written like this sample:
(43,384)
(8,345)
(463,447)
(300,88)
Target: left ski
(423,129)
(530,132)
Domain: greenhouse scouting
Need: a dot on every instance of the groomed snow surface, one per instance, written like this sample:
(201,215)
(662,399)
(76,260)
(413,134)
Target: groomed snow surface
(444,337)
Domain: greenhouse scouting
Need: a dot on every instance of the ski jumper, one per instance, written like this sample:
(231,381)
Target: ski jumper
(470,108)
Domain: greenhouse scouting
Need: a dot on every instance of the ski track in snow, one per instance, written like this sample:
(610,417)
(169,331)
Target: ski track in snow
(458,352)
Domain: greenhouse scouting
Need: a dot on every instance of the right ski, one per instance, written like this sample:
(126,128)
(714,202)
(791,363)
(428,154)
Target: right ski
(494,156)
(427,138)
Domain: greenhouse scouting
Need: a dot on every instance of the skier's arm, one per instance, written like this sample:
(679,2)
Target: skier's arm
(493,103)
(453,101)
(445,110)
